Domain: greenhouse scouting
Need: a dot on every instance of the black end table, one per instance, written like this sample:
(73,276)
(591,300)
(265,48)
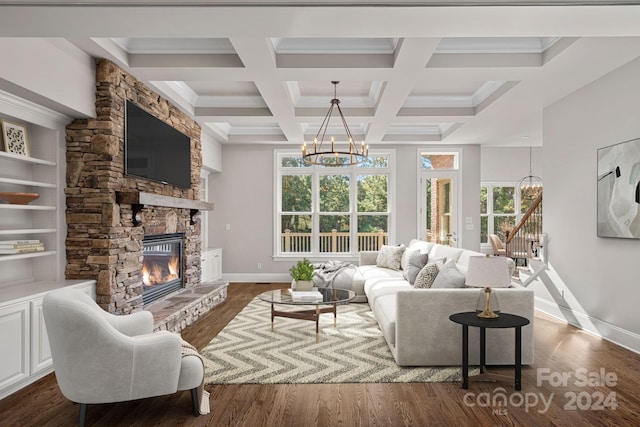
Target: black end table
(505,320)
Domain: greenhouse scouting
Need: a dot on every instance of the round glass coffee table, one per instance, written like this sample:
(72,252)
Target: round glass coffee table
(331,298)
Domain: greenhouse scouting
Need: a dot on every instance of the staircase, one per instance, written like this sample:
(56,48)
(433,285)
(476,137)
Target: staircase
(526,243)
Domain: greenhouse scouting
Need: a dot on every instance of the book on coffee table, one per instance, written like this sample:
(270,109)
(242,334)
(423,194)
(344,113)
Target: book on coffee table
(306,296)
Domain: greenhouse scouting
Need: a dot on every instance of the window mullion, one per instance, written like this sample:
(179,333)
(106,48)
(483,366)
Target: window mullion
(315,211)
(353,209)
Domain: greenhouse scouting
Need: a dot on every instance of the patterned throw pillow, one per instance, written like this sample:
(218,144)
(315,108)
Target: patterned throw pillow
(426,276)
(390,256)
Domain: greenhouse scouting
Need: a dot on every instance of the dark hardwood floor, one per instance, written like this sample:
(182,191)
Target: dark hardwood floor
(560,349)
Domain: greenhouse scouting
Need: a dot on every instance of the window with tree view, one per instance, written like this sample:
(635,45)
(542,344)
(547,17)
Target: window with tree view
(325,210)
(498,213)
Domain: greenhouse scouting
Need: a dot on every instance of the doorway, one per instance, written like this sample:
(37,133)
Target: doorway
(438,209)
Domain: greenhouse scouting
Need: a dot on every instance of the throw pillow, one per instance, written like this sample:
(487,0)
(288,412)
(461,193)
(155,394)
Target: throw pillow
(390,256)
(427,275)
(449,276)
(415,262)
(404,262)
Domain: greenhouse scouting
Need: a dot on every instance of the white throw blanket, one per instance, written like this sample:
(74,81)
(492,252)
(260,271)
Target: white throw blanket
(203,395)
(327,271)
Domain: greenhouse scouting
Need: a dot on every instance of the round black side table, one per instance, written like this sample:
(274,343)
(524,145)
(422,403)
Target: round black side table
(505,320)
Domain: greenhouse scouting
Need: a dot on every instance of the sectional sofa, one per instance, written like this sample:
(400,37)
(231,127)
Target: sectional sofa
(415,321)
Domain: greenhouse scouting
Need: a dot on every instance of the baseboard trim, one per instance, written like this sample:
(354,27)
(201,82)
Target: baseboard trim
(257,278)
(597,327)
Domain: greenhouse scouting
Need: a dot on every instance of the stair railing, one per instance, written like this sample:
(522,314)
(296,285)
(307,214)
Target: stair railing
(523,242)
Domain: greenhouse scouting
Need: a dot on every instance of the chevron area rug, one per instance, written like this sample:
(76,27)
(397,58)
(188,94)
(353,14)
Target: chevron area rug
(247,352)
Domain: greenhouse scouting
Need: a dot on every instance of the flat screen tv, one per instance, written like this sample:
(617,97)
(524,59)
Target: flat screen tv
(155,150)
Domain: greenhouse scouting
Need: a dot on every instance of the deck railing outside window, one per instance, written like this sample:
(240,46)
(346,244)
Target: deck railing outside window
(334,241)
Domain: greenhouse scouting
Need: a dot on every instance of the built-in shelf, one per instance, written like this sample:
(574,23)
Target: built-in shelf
(13,257)
(29,207)
(26,277)
(28,183)
(28,231)
(26,159)
(141,198)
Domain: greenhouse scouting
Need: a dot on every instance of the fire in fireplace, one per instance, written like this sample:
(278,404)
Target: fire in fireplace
(161,265)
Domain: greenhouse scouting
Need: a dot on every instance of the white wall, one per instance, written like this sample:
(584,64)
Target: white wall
(599,277)
(243,195)
(49,72)
(470,198)
(211,153)
(243,198)
(509,164)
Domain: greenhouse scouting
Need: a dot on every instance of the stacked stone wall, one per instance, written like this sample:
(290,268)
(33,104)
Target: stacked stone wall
(102,242)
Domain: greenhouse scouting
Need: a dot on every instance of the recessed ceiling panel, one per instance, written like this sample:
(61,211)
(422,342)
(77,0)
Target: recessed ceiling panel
(223,88)
(335,45)
(442,87)
(495,44)
(344,88)
(175,45)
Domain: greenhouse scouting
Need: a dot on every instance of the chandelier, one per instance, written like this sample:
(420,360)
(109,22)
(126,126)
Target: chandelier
(320,153)
(530,185)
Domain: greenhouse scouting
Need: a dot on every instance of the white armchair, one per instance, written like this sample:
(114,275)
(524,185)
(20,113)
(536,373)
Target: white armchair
(103,358)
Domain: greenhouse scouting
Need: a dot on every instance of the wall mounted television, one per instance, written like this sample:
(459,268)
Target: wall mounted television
(154,150)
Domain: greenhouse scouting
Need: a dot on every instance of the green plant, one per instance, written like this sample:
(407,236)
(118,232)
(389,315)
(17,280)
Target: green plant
(303,270)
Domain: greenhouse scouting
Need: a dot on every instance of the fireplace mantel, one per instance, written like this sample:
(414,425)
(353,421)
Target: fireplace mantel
(140,198)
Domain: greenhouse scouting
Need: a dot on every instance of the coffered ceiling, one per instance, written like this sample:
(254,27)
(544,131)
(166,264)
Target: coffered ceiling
(261,72)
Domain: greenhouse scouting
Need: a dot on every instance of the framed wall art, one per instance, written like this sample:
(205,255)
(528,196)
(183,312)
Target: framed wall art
(15,139)
(619,190)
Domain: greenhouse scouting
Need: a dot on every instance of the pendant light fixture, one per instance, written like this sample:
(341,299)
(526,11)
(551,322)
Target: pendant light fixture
(334,153)
(530,184)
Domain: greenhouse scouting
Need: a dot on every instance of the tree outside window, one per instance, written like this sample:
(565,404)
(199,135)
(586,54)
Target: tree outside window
(320,206)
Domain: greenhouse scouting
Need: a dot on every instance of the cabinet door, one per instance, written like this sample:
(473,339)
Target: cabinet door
(40,351)
(14,336)
(217,264)
(206,268)
(211,268)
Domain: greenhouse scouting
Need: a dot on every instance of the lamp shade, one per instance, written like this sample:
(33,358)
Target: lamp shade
(488,272)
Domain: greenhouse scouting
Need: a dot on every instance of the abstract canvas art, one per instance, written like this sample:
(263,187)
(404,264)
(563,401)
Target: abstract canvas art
(619,190)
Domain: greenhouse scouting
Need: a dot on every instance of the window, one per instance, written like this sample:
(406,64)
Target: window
(331,211)
(498,213)
(439,161)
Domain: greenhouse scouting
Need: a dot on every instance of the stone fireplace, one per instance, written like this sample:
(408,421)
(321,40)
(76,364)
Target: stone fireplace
(110,215)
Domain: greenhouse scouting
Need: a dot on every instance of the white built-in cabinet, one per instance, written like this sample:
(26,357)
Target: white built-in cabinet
(26,278)
(211,260)
(25,355)
(211,265)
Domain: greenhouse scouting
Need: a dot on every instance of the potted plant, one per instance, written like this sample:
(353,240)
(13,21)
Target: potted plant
(302,274)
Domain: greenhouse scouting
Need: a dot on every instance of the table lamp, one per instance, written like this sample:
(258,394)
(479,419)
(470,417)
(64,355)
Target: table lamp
(488,272)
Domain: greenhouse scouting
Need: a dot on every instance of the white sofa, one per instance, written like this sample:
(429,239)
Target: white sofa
(415,322)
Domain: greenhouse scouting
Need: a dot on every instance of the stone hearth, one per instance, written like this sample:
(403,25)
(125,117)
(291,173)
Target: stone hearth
(103,242)
(181,309)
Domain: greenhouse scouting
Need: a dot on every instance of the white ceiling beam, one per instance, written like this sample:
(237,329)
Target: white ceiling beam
(259,59)
(411,57)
